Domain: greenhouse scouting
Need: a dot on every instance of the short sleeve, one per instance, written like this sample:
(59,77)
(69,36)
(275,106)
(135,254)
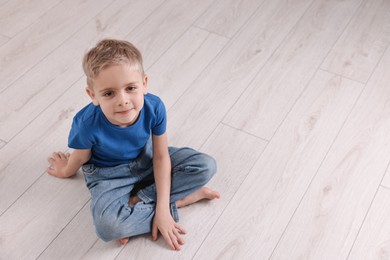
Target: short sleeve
(79,136)
(160,125)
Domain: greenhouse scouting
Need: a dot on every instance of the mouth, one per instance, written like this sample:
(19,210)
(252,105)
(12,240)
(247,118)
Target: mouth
(124,112)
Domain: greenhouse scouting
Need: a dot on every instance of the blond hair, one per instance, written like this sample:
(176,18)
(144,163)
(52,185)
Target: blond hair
(110,52)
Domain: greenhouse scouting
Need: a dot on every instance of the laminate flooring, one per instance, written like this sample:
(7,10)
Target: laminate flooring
(292,98)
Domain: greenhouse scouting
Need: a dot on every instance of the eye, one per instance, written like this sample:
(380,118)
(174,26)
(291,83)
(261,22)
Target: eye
(108,94)
(131,88)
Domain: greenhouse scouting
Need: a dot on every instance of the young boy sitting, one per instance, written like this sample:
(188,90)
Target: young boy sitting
(136,181)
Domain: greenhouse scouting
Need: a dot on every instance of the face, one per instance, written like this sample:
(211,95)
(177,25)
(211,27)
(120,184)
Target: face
(119,90)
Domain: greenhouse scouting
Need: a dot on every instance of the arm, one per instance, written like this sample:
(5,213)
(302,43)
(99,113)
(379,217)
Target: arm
(163,220)
(66,165)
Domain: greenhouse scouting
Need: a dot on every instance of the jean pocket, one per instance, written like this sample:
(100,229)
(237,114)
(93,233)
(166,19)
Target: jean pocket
(89,169)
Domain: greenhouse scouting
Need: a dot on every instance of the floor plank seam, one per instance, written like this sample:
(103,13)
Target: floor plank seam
(46,108)
(205,10)
(54,49)
(24,192)
(265,63)
(27,189)
(60,232)
(5,37)
(295,103)
(211,32)
(341,34)
(32,23)
(319,167)
(341,75)
(168,48)
(3,143)
(96,241)
(208,137)
(384,175)
(199,74)
(244,132)
(231,199)
(203,32)
(363,221)
(384,187)
(379,60)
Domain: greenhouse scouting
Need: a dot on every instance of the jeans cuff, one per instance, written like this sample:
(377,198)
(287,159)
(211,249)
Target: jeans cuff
(172,205)
(144,197)
(174,212)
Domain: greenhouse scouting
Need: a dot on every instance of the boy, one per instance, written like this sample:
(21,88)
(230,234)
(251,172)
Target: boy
(136,182)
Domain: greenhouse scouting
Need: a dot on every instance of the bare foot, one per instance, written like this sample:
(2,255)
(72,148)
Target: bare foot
(134,200)
(203,193)
(123,241)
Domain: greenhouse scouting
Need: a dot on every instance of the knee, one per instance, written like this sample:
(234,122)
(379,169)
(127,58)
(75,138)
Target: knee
(208,167)
(111,224)
(106,228)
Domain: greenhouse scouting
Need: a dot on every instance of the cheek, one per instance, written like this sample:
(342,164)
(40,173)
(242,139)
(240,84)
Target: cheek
(140,102)
(106,106)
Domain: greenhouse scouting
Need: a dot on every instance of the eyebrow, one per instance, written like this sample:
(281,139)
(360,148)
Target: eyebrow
(110,88)
(131,83)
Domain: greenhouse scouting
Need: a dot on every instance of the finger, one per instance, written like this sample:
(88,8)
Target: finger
(179,239)
(181,229)
(50,171)
(174,241)
(67,155)
(62,155)
(154,232)
(168,240)
(50,160)
(55,156)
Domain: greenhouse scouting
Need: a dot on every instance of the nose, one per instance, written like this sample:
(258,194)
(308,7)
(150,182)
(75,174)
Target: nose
(122,99)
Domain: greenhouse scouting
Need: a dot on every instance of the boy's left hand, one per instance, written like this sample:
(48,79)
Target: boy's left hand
(168,228)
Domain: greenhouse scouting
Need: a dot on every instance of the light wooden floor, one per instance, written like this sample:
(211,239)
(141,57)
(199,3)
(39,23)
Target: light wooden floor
(291,97)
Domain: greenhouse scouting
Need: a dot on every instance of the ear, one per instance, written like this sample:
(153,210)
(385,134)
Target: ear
(145,83)
(91,94)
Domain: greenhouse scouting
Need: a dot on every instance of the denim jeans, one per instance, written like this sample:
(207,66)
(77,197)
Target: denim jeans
(111,188)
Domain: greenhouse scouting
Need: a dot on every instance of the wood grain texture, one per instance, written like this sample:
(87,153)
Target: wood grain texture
(176,70)
(39,215)
(47,133)
(359,49)
(260,211)
(240,151)
(18,15)
(315,189)
(3,40)
(192,120)
(156,34)
(259,110)
(386,180)
(326,223)
(373,239)
(235,153)
(226,17)
(74,242)
(47,81)
(26,49)
(193,42)
(2,143)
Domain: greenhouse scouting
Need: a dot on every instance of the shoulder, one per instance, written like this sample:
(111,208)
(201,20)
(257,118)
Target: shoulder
(87,115)
(152,100)
(154,104)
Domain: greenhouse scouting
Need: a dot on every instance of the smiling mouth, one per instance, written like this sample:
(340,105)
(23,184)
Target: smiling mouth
(124,112)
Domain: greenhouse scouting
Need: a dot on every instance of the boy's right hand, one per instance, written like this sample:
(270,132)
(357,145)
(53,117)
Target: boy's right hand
(58,163)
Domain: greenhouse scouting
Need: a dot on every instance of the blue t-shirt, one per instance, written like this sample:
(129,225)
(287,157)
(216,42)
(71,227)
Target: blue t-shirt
(112,145)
